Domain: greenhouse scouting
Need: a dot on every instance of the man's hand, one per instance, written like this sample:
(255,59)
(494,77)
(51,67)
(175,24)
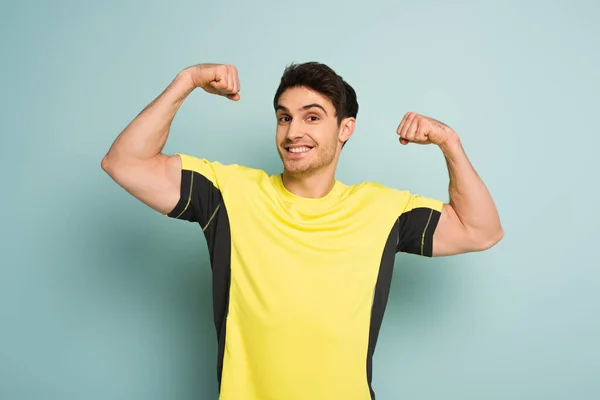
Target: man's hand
(416,128)
(219,79)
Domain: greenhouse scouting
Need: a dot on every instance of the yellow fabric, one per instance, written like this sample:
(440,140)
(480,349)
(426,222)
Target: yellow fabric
(303,274)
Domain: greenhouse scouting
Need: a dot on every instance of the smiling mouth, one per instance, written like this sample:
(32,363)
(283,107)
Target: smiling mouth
(297,150)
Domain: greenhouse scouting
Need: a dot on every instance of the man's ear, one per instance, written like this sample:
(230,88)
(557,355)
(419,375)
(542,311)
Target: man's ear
(346,129)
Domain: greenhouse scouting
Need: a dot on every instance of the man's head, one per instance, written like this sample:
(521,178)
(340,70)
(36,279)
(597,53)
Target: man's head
(316,113)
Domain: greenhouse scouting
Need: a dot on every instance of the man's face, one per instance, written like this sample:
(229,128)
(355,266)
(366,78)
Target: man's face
(308,135)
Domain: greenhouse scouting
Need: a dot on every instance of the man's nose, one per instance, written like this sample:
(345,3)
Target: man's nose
(295,130)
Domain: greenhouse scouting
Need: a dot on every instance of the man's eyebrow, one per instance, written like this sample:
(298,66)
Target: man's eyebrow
(306,107)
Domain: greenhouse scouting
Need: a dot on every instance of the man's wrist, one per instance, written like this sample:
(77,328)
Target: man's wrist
(451,146)
(184,81)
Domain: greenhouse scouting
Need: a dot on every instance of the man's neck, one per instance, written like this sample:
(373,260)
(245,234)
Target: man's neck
(313,187)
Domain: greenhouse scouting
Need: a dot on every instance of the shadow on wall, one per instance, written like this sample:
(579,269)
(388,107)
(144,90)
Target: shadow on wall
(424,294)
(162,267)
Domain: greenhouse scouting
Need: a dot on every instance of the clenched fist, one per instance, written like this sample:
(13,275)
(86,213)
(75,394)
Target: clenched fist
(416,128)
(219,79)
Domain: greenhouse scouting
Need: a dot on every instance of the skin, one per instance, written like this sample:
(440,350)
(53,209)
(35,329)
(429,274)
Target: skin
(469,221)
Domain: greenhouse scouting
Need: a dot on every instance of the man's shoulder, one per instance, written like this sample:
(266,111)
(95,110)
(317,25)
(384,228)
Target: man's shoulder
(405,199)
(221,173)
(379,201)
(378,189)
(194,163)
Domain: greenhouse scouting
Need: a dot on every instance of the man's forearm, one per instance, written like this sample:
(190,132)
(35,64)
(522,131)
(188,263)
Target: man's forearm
(147,134)
(469,197)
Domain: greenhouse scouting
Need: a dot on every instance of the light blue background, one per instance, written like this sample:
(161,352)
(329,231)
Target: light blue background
(103,298)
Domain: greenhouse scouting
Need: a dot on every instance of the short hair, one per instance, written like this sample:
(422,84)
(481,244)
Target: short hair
(324,80)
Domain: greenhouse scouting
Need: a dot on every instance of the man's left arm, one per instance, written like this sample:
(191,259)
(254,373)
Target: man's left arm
(469,221)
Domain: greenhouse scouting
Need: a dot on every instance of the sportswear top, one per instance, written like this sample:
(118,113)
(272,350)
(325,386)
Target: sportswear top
(300,285)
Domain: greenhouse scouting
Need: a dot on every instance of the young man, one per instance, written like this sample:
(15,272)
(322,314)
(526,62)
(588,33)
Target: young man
(301,263)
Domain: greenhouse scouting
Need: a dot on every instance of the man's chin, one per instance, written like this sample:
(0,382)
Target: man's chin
(297,169)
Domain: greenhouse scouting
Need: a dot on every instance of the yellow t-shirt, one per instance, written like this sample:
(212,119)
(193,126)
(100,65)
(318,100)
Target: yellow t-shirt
(299,285)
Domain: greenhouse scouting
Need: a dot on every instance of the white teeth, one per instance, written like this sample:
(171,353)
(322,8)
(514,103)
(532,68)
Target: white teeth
(298,149)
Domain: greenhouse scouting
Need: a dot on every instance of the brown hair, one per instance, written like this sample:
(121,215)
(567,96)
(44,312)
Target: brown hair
(322,79)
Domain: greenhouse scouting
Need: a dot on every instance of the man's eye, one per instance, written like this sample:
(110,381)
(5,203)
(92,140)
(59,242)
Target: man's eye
(284,119)
(313,118)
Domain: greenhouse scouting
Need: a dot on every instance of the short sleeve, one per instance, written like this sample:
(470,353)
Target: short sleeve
(417,223)
(202,185)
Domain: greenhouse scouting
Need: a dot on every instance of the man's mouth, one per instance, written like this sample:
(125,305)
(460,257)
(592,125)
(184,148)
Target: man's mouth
(298,149)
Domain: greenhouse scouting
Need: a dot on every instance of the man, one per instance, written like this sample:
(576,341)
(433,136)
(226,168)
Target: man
(301,263)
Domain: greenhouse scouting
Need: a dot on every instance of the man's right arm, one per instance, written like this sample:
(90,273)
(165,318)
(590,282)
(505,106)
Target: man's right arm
(135,160)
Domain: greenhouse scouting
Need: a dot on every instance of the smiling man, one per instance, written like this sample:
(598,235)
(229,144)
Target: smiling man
(301,262)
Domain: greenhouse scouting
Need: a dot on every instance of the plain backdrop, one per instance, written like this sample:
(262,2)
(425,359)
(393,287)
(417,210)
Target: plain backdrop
(103,298)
